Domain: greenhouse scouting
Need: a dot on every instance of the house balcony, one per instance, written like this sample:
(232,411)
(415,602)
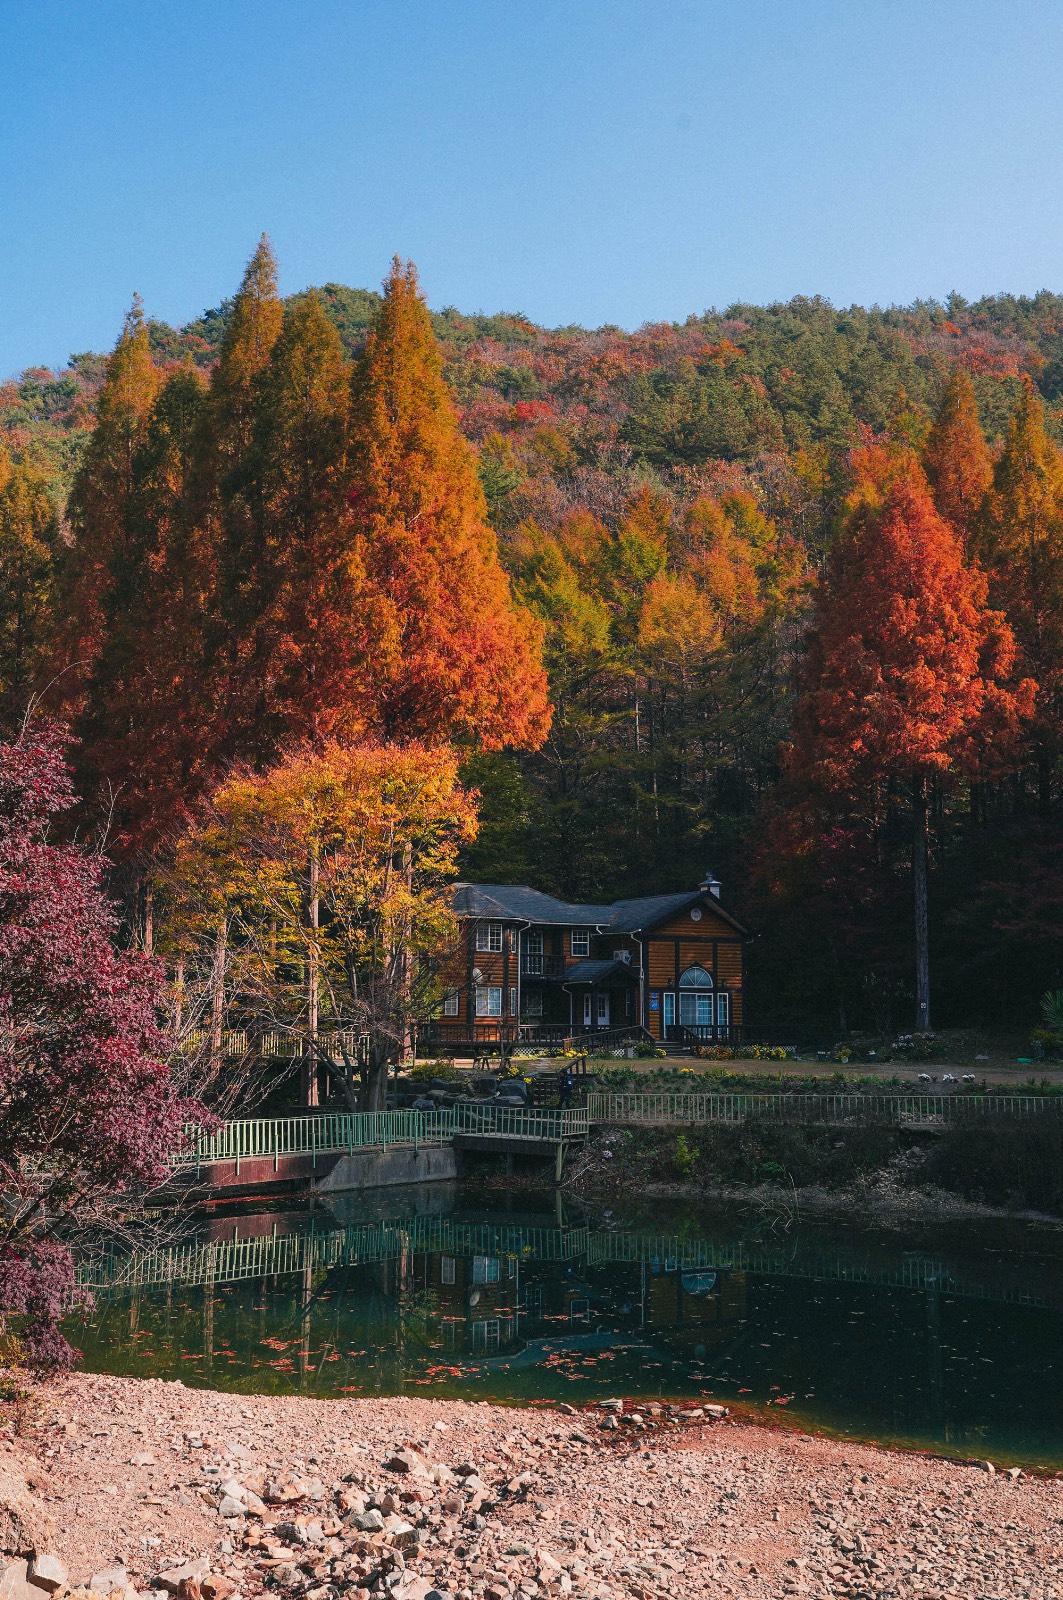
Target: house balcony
(532,966)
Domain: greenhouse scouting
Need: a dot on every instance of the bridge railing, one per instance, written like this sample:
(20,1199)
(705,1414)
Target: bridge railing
(330,1132)
(515,1122)
(325,1133)
(895,1109)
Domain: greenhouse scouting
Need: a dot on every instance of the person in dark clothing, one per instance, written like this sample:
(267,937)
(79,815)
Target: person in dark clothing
(565,1095)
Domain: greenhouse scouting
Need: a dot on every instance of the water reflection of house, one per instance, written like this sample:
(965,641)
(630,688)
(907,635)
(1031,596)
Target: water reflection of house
(697,1307)
(492,1304)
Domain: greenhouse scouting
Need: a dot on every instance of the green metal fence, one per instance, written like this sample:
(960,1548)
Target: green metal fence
(830,1109)
(332,1132)
(329,1132)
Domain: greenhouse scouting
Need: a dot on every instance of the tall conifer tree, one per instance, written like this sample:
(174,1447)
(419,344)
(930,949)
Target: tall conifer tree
(99,501)
(1020,540)
(907,671)
(956,458)
(28,548)
(446,650)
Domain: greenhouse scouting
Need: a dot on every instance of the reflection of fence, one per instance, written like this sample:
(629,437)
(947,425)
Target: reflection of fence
(835,1110)
(240,1260)
(330,1133)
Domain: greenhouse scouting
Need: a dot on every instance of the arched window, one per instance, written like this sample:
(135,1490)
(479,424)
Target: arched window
(695,998)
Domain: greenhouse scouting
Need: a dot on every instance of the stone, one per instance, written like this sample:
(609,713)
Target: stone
(610,1405)
(24,1524)
(172,1579)
(48,1572)
(717,1411)
(407,1461)
(610,1422)
(14,1584)
(190,1589)
(366,1521)
(228,1507)
(566,1410)
(108,1579)
(217,1587)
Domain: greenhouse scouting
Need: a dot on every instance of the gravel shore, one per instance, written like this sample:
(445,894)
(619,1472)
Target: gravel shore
(141,1486)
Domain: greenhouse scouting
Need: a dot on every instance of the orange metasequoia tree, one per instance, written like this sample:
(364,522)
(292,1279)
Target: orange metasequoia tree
(447,651)
(906,679)
(956,458)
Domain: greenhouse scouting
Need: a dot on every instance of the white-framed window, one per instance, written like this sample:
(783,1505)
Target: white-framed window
(533,942)
(579,1311)
(581,942)
(488,1001)
(669,1008)
(603,1010)
(587,1009)
(447,1269)
(450,1004)
(489,936)
(533,1003)
(723,1009)
(485,1269)
(513,1002)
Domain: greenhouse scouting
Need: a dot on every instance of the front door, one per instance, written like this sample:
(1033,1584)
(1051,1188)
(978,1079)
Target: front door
(603,1011)
(587,1009)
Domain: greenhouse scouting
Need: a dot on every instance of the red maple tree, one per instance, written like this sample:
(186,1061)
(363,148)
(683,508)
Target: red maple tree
(90,1110)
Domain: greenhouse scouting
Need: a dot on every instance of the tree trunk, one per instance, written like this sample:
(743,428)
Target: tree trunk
(149,918)
(217,994)
(311,1096)
(922,943)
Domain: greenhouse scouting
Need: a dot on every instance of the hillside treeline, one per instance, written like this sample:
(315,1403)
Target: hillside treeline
(207,559)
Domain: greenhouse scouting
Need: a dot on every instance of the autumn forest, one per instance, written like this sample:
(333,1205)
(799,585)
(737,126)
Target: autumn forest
(775,592)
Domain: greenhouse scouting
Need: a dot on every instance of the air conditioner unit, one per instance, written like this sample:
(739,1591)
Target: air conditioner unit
(622,955)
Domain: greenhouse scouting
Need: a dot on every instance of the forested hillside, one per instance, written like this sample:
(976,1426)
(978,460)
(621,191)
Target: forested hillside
(667,505)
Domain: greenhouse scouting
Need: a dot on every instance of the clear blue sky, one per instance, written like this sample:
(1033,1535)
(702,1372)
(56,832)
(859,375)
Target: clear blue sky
(578,160)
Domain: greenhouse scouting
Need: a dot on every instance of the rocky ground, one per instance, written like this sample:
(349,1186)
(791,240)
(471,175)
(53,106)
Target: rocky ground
(120,1485)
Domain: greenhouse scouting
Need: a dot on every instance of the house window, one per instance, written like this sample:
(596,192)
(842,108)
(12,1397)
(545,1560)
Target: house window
(587,1009)
(489,936)
(669,1009)
(533,942)
(603,1010)
(581,942)
(450,1004)
(533,1004)
(696,999)
(513,1002)
(488,1001)
(447,1269)
(723,1009)
(579,1311)
(485,1269)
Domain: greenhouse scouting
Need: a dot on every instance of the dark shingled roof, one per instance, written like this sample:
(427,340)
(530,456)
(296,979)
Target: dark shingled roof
(599,971)
(516,903)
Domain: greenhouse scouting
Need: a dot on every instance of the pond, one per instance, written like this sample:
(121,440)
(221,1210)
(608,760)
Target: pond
(952,1341)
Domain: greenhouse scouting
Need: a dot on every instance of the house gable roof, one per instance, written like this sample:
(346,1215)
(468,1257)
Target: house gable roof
(517,903)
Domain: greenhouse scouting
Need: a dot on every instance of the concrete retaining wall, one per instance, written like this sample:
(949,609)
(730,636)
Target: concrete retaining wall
(383,1169)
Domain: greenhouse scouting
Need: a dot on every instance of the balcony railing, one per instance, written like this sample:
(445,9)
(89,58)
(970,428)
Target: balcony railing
(540,966)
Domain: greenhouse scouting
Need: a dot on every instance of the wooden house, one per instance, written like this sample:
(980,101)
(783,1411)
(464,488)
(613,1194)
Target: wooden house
(531,966)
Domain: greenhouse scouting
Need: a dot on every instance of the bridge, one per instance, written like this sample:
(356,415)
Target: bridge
(269,1150)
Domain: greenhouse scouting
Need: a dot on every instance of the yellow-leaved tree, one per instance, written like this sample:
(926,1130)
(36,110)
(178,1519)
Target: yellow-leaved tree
(334,869)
